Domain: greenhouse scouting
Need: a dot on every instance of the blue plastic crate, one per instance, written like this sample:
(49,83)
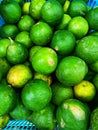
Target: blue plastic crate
(24,124)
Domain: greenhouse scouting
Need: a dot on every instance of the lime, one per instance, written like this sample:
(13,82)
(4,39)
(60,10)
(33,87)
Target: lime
(41,33)
(4,43)
(52,12)
(92,18)
(78,25)
(45,60)
(77,8)
(63,42)
(60,92)
(4,66)
(18,75)
(32,51)
(95,81)
(72,114)
(66,5)
(71,70)
(35,8)
(36,94)
(4,120)
(20,112)
(7,99)
(89,48)
(25,7)
(94,66)
(16,53)
(47,78)
(10,11)
(84,91)
(8,30)
(45,118)
(25,23)
(23,37)
(64,22)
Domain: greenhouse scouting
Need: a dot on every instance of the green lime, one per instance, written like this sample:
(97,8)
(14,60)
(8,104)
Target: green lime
(92,18)
(25,23)
(63,42)
(20,112)
(25,7)
(4,66)
(8,30)
(60,92)
(23,37)
(52,12)
(95,81)
(32,51)
(44,119)
(84,91)
(78,25)
(87,49)
(45,77)
(66,6)
(10,11)
(41,33)
(4,43)
(7,99)
(16,53)
(18,75)
(35,8)
(73,114)
(45,60)
(71,70)
(36,94)
(64,22)
(4,120)
(77,8)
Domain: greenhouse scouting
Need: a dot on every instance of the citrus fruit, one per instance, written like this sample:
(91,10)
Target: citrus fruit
(41,33)
(16,53)
(60,92)
(45,118)
(36,94)
(52,12)
(25,23)
(92,18)
(63,42)
(78,25)
(85,91)
(7,99)
(10,11)
(94,119)
(20,112)
(88,46)
(47,78)
(77,8)
(18,75)
(23,37)
(25,7)
(45,60)
(4,66)
(64,22)
(32,51)
(66,6)
(8,30)
(71,70)
(72,114)
(94,66)
(4,120)
(95,81)
(35,8)
(4,43)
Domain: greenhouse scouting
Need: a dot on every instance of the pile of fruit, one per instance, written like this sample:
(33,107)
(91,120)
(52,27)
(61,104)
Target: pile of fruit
(49,64)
